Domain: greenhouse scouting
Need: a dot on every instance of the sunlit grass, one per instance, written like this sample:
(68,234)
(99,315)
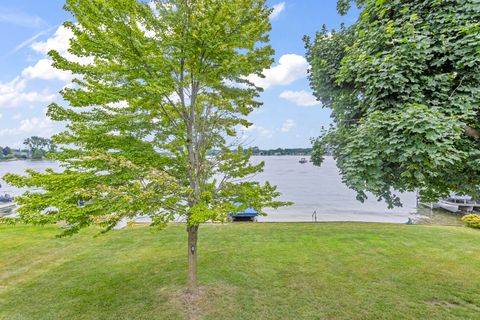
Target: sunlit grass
(247,271)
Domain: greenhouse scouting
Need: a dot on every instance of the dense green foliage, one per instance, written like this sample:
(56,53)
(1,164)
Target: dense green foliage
(344,5)
(403,84)
(248,271)
(472,220)
(156,88)
(38,154)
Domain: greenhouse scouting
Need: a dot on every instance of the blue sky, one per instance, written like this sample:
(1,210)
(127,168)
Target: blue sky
(290,115)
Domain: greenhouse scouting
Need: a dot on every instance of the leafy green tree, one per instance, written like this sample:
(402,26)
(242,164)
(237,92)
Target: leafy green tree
(162,84)
(35,143)
(52,147)
(343,6)
(403,84)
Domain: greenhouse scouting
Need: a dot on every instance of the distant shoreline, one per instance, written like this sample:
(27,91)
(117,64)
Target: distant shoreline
(16,159)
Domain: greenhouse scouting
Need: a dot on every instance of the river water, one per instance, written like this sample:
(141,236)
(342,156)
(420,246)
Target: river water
(310,188)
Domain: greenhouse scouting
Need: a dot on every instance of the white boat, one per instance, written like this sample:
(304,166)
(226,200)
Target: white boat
(6,204)
(6,208)
(459,204)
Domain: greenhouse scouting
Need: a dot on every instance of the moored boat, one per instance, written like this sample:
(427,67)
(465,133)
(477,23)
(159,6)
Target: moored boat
(6,198)
(6,204)
(249,214)
(459,204)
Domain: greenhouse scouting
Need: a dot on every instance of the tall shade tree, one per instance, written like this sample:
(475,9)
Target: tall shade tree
(159,86)
(403,84)
(36,143)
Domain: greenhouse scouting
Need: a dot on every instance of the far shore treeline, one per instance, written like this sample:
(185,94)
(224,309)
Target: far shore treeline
(282,152)
(38,147)
(255,151)
(35,148)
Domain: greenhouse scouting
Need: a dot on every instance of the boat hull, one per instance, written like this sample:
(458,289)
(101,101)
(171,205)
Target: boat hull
(457,207)
(449,207)
(6,208)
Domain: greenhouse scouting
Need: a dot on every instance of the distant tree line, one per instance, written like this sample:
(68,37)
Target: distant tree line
(256,151)
(36,148)
(281,152)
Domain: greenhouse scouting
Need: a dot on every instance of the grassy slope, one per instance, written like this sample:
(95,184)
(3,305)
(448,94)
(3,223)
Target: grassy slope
(249,271)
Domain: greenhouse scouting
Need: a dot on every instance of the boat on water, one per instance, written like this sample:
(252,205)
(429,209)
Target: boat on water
(6,198)
(303,160)
(6,204)
(457,204)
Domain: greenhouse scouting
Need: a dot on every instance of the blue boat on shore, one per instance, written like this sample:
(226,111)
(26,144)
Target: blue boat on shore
(248,214)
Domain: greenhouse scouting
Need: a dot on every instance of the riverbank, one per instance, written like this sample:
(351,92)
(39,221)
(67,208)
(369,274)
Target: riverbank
(267,271)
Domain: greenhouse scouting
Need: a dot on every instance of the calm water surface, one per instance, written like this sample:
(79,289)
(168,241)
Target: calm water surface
(309,187)
(321,189)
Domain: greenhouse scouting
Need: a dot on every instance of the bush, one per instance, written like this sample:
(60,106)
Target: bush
(472,220)
(38,154)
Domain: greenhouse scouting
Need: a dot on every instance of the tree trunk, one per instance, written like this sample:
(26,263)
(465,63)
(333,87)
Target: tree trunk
(471,132)
(192,258)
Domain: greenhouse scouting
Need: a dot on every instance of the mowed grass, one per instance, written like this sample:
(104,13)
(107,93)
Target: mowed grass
(247,271)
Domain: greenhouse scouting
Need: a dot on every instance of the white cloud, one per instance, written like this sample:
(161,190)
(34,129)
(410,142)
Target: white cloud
(33,126)
(290,68)
(300,98)
(21,19)
(1,115)
(43,69)
(255,130)
(26,126)
(277,9)
(60,41)
(288,125)
(13,94)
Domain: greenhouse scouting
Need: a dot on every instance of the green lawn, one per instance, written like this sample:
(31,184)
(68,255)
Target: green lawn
(247,271)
